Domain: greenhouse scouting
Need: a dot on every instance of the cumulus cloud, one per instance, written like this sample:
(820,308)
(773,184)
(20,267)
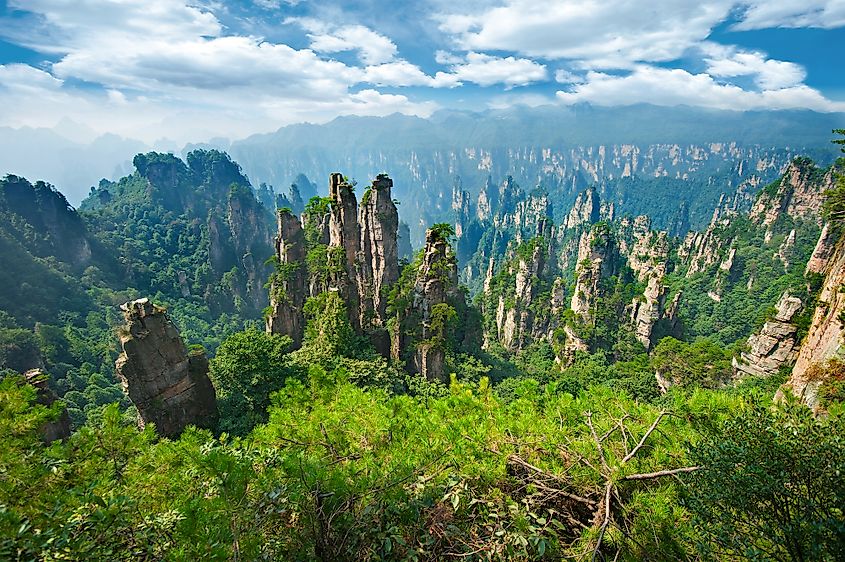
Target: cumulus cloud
(768,74)
(373,48)
(603,34)
(671,87)
(563,76)
(170,69)
(486,70)
(826,14)
(597,33)
(403,73)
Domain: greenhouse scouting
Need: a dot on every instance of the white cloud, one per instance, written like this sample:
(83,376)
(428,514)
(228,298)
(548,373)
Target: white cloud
(670,87)
(768,74)
(528,100)
(445,57)
(168,69)
(565,77)
(22,78)
(274,4)
(486,70)
(620,33)
(826,14)
(597,33)
(403,73)
(373,48)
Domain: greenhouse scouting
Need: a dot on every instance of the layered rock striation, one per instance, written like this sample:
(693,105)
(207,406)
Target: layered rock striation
(775,346)
(167,384)
(824,339)
(288,285)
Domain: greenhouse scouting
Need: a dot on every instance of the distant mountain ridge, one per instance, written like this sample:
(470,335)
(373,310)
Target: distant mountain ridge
(357,144)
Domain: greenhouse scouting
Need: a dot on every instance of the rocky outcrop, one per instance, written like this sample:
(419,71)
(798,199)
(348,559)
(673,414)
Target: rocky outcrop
(288,285)
(798,194)
(250,236)
(700,250)
(343,233)
(515,316)
(52,430)
(338,247)
(378,260)
(585,211)
(775,345)
(596,260)
(403,242)
(597,257)
(824,339)
(823,250)
(168,384)
(784,253)
(423,346)
(647,254)
(487,201)
(45,222)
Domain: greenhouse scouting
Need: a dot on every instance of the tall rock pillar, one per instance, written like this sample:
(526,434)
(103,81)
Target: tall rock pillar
(168,385)
(288,283)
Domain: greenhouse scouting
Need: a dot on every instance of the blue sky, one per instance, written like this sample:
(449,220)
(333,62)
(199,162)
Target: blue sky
(193,70)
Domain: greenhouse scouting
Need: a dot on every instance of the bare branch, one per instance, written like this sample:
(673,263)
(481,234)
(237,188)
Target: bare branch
(597,440)
(659,473)
(514,459)
(633,452)
(606,519)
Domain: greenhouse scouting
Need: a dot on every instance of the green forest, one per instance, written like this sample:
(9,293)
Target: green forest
(547,437)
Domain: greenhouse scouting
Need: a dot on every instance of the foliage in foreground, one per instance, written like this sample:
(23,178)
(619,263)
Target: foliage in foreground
(343,473)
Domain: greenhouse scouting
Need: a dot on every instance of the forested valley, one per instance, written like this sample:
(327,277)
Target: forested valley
(198,368)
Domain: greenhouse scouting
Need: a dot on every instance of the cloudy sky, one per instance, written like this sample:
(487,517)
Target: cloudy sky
(193,70)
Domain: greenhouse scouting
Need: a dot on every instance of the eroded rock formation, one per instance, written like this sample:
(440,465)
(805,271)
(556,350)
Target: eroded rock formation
(353,250)
(288,285)
(423,346)
(797,194)
(343,233)
(775,345)
(378,259)
(168,384)
(825,336)
(59,428)
(585,211)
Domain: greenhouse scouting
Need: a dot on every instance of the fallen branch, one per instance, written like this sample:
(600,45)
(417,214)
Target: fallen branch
(589,416)
(514,459)
(659,473)
(606,519)
(633,452)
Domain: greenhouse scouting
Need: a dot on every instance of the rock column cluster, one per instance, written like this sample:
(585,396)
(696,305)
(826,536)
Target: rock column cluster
(361,253)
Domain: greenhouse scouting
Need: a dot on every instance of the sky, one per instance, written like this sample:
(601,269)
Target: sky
(190,71)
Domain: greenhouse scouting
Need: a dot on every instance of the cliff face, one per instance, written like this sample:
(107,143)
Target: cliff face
(797,194)
(343,233)
(775,345)
(520,284)
(42,219)
(825,337)
(168,385)
(250,236)
(647,254)
(585,211)
(288,287)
